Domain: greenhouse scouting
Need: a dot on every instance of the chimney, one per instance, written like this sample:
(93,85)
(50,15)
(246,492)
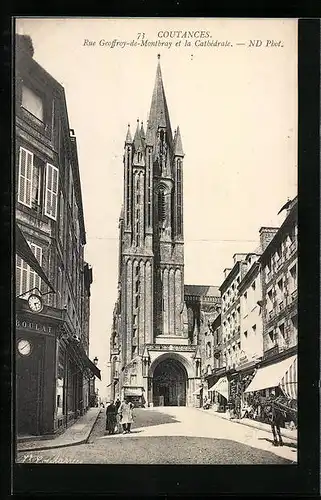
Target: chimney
(266,236)
(24,43)
(227,271)
(238,257)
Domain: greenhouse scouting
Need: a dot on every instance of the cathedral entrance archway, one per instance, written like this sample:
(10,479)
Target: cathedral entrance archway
(169,383)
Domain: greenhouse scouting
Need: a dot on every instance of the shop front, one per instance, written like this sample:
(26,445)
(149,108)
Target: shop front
(135,395)
(281,375)
(219,394)
(51,369)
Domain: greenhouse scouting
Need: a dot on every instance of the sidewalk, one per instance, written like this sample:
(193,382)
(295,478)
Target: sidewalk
(77,433)
(292,435)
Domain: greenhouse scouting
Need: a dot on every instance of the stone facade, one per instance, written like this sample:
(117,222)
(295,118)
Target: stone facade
(279,286)
(49,212)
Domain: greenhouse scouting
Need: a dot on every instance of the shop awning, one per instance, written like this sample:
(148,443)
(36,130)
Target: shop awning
(78,348)
(221,387)
(272,375)
(24,251)
(289,383)
(197,392)
(133,391)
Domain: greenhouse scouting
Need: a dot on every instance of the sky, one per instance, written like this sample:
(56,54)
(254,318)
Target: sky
(236,107)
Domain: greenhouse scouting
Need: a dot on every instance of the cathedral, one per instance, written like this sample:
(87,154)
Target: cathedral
(155,348)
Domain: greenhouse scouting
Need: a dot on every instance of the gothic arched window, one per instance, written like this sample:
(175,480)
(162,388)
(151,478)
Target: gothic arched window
(161,206)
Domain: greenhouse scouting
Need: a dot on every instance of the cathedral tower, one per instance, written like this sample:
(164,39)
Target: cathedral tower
(155,355)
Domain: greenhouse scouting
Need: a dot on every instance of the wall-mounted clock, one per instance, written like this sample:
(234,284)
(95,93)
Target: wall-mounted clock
(24,347)
(35,303)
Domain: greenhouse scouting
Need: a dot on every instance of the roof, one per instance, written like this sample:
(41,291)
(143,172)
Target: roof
(202,290)
(158,114)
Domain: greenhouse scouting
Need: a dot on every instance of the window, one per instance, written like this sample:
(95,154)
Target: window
(280,285)
(245,295)
(27,278)
(294,325)
(36,183)
(254,329)
(61,217)
(208,350)
(270,300)
(51,194)
(133,379)
(59,287)
(271,337)
(293,277)
(245,335)
(253,286)
(32,102)
(25,176)
(161,206)
(282,332)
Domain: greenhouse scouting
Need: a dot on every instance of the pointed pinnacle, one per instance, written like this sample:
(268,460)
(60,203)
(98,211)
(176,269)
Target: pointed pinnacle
(129,139)
(178,148)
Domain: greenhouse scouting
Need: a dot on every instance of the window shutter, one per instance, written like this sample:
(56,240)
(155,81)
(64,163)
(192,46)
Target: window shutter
(34,279)
(25,176)
(51,198)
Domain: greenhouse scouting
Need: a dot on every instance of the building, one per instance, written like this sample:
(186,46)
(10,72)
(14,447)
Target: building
(203,305)
(231,311)
(52,279)
(278,368)
(155,352)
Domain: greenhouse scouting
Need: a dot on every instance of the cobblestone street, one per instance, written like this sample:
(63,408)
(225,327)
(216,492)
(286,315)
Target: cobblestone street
(172,435)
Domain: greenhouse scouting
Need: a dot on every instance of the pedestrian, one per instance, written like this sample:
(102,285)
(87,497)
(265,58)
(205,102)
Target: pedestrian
(111,421)
(126,415)
(117,405)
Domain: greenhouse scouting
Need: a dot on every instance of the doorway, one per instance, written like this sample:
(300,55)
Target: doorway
(29,370)
(169,384)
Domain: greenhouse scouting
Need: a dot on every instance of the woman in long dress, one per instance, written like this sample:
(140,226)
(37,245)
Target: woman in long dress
(126,415)
(111,420)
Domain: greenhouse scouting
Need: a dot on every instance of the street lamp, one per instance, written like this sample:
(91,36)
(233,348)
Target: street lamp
(93,396)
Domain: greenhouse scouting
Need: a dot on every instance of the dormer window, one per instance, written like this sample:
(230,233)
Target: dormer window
(32,102)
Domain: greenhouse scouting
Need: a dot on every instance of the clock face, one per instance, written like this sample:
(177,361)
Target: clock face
(24,347)
(35,303)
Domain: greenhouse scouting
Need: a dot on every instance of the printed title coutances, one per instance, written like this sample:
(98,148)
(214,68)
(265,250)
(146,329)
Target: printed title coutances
(183,34)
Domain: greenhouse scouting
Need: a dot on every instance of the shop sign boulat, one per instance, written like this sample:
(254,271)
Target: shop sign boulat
(35,326)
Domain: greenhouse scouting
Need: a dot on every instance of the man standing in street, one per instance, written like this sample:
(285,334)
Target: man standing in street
(117,405)
(126,415)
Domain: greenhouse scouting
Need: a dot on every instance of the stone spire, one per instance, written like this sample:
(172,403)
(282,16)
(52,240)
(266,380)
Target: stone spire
(158,115)
(178,148)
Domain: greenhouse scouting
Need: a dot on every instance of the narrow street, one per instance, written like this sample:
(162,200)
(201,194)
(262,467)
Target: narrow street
(172,435)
